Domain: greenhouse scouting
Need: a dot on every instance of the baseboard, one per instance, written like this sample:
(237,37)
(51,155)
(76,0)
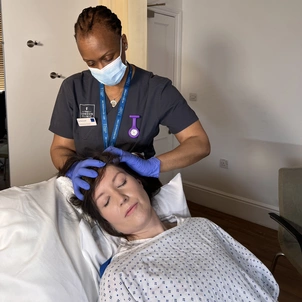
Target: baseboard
(250,210)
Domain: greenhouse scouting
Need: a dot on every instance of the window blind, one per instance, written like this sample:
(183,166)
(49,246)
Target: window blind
(1,57)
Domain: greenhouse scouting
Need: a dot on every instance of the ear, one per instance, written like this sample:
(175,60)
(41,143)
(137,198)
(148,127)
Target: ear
(139,181)
(125,42)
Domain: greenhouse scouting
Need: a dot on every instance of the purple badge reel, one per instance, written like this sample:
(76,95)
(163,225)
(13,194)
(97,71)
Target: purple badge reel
(133,131)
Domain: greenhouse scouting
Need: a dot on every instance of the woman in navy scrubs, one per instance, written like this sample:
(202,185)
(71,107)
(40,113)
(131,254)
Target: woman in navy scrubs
(118,105)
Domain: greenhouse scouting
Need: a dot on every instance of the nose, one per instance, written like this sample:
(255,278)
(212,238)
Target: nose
(99,65)
(124,199)
(121,198)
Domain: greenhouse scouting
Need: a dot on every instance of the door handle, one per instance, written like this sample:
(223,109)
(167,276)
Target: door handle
(31,43)
(54,75)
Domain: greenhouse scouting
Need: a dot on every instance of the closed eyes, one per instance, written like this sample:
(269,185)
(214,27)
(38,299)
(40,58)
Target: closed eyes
(124,182)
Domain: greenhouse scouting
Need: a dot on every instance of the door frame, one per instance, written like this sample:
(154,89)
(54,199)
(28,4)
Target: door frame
(177,15)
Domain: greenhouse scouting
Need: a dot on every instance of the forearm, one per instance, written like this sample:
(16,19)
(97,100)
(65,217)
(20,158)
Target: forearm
(61,149)
(193,146)
(59,156)
(187,153)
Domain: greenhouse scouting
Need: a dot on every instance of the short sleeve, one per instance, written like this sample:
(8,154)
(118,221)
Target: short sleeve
(61,121)
(175,113)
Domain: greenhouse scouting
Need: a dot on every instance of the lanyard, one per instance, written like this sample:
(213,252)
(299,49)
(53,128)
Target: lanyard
(119,115)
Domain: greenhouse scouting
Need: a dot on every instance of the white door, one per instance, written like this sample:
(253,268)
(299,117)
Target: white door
(161,61)
(30,91)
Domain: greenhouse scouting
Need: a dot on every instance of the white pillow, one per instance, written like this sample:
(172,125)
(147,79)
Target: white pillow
(171,200)
(168,202)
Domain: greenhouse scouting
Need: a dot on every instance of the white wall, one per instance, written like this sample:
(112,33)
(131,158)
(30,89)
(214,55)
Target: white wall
(243,59)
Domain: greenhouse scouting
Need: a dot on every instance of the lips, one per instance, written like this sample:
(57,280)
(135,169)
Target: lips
(131,210)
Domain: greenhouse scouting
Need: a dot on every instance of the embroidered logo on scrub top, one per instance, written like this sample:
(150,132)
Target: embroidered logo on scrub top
(87,110)
(133,131)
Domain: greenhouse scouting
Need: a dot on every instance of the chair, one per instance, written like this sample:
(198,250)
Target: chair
(3,131)
(4,154)
(290,218)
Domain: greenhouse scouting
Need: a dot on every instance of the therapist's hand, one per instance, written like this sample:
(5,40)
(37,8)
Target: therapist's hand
(145,167)
(82,168)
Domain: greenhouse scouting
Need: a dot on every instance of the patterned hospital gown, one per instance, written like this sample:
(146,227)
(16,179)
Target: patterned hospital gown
(195,261)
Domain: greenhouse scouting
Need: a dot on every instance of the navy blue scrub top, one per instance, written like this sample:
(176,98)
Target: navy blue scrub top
(152,97)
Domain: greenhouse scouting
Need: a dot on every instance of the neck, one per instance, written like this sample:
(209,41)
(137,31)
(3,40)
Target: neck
(115,92)
(152,228)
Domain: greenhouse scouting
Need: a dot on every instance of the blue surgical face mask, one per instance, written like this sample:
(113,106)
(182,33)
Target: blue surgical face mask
(111,74)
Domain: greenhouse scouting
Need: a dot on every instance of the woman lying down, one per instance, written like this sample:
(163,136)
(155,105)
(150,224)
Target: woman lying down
(192,260)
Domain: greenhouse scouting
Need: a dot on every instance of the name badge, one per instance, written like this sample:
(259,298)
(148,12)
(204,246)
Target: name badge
(83,122)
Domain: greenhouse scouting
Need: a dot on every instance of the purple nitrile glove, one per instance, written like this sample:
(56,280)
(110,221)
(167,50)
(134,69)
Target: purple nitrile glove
(82,168)
(145,167)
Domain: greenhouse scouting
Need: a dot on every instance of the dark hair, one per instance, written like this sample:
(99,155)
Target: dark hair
(91,16)
(88,206)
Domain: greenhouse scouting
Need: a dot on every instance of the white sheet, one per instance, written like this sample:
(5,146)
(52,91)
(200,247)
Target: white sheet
(195,261)
(41,253)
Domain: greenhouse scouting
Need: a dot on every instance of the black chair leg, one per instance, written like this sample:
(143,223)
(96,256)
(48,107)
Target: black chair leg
(275,261)
(4,170)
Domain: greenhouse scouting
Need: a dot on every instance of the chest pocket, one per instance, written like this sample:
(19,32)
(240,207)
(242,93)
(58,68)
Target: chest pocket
(87,132)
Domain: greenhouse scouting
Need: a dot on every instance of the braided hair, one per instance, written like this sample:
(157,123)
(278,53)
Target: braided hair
(101,15)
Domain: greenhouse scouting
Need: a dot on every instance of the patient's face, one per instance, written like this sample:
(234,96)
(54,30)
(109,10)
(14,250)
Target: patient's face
(123,202)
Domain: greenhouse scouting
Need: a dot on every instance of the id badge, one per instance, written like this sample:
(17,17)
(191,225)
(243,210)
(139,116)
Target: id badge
(84,122)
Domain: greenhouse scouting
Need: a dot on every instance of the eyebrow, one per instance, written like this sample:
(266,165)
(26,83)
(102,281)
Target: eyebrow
(113,180)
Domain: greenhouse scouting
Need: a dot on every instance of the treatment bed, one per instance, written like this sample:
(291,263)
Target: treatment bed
(49,253)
